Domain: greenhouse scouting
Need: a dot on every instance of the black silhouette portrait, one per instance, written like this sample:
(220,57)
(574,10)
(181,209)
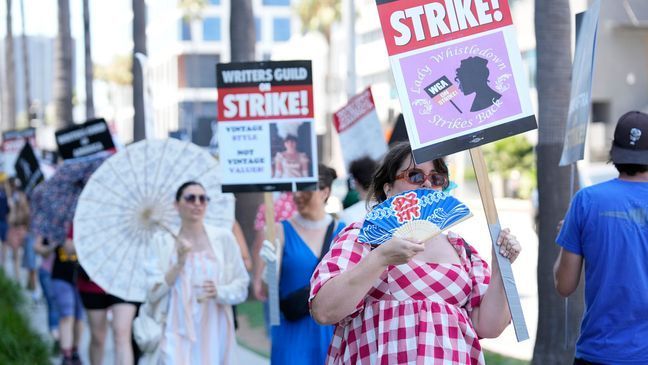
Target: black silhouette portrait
(472,76)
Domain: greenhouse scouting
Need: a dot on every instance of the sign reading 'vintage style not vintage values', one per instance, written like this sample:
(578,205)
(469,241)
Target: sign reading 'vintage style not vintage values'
(266,135)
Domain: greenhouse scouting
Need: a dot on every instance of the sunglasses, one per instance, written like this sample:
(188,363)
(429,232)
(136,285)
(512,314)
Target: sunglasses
(418,177)
(193,198)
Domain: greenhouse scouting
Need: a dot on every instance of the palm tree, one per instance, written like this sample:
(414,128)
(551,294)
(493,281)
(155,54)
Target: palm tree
(242,46)
(10,91)
(63,67)
(25,54)
(319,16)
(139,46)
(243,38)
(88,61)
(553,42)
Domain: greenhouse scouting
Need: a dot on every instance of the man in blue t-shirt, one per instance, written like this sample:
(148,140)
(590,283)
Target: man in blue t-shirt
(606,229)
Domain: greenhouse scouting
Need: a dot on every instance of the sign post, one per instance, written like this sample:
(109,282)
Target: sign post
(494,228)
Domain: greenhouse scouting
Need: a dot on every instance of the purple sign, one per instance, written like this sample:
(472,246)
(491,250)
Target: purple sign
(480,68)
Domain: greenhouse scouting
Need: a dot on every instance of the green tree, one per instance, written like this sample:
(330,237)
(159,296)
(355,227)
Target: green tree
(510,156)
(553,42)
(319,15)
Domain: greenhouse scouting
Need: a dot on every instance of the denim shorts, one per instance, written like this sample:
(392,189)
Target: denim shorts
(29,254)
(67,299)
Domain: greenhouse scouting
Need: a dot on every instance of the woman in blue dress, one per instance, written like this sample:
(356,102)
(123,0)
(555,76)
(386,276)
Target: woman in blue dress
(299,340)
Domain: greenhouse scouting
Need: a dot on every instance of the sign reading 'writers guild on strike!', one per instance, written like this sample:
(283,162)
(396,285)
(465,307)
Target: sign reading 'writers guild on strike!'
(458,72)
(266,135)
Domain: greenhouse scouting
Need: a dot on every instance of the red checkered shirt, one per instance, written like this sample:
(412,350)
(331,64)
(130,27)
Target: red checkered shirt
(417,313)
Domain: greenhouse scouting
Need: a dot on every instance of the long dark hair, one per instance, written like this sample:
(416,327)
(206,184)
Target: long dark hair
(185,185)
(386,171)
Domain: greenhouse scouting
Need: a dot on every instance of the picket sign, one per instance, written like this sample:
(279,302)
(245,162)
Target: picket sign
(273,280)
(486,193)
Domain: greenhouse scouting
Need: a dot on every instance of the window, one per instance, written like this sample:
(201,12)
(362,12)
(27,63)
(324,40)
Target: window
(214,2)
(276,2)
(257,26)
(281,28)
(185,30)
(212,29)
(198,71)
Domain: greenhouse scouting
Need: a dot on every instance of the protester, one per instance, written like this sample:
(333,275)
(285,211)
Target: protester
(361,171)
(97,303)
(47,251)
(18,220)
(302,240)
(193,283)
(409,302)
(67,299)
(4,225)
(606,231)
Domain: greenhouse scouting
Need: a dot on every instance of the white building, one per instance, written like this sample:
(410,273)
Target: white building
(183,55)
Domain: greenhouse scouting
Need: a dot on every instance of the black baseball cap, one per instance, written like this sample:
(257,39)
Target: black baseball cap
(630,145)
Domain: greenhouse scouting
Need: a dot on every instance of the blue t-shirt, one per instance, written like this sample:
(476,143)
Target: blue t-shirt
(607,224)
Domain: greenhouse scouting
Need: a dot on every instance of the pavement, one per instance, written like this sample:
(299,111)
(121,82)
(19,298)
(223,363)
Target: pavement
(37,313)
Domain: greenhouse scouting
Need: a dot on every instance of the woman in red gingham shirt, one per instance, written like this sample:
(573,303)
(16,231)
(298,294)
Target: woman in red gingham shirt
(409,302)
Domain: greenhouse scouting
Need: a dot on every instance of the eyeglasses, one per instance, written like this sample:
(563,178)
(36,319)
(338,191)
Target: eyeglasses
(418,177)
(193,198)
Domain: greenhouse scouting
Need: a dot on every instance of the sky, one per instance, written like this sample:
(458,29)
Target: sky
(110,24)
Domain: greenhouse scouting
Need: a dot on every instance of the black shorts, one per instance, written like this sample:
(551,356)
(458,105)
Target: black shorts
(93,301)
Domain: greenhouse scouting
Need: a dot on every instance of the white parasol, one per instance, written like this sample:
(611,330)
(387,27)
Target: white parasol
(129,199)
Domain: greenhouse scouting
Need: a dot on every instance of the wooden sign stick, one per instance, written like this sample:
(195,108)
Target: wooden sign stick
(512,296)
(273,282)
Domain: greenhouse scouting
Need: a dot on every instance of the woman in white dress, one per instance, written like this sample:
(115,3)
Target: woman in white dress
(193,283)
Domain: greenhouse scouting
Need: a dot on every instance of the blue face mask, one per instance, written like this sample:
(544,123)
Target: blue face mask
(451,186)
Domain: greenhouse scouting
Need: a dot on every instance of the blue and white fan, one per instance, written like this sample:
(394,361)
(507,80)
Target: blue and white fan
(416,215)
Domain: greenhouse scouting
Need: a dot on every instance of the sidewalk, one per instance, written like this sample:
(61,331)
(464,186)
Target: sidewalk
(37,313)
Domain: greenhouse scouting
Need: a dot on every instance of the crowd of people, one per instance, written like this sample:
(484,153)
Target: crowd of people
(343,301)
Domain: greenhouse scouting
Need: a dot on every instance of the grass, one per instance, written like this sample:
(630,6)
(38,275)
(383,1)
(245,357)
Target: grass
(497,359)
(253,310)
(19,343)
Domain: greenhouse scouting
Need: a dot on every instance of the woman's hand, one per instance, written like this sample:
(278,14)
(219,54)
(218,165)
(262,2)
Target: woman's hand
(183,247)
(209,290)
(509,247)
(398,251)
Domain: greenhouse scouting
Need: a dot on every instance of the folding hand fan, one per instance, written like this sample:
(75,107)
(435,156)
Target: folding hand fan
(416,214)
